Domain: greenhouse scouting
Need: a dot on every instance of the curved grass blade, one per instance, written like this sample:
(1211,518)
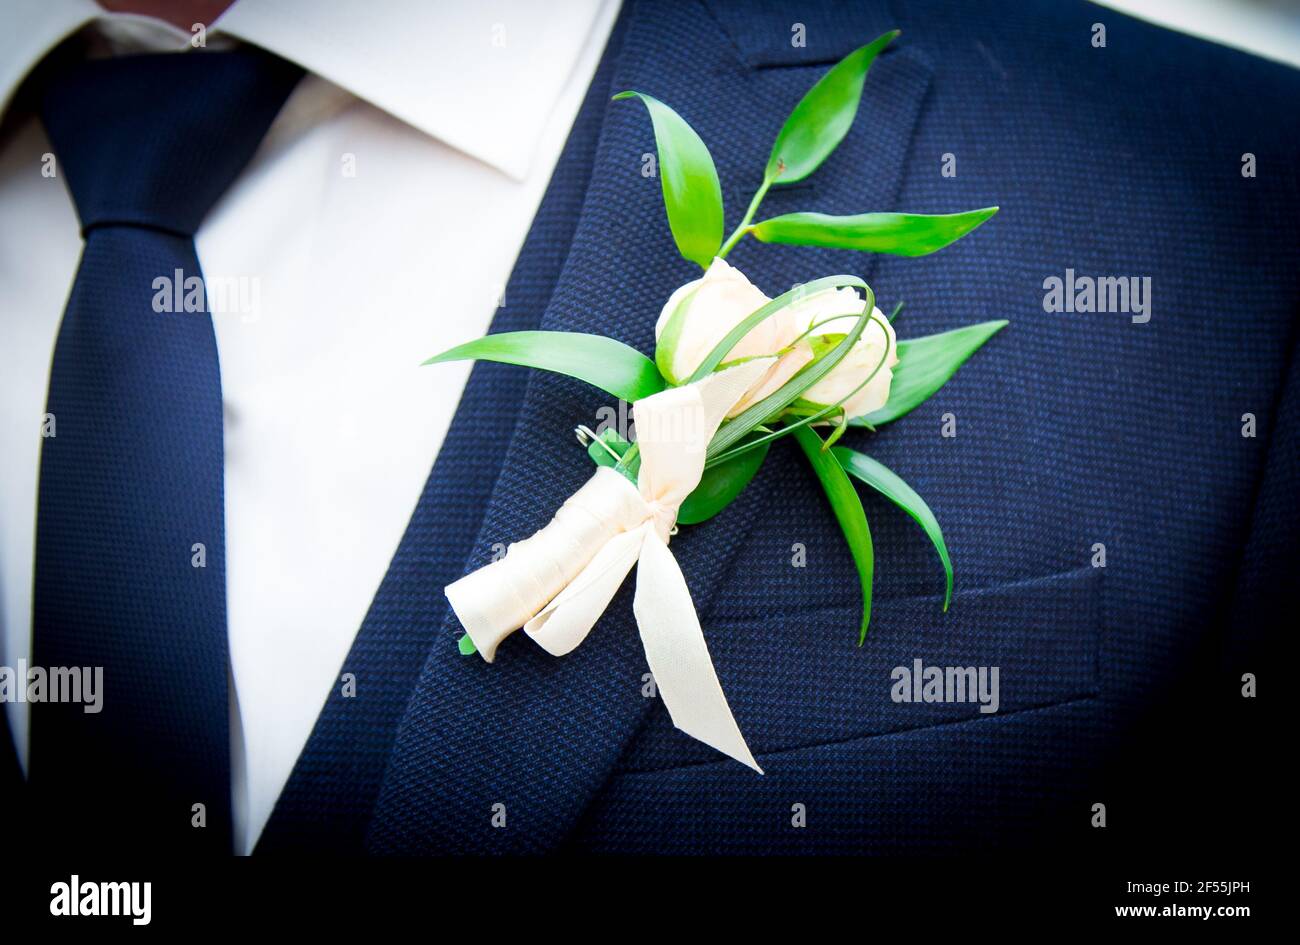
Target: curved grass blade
(793,389)
(692,194)
(807,413)
(602,362)
(798,293)
(848,512)
(823,116)
(924,365)
(891,486)
(900,234)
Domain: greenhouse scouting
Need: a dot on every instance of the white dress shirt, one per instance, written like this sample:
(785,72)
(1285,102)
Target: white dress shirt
(376,226)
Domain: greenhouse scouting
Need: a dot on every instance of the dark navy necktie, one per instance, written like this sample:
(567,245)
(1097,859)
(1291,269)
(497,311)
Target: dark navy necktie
(130,538)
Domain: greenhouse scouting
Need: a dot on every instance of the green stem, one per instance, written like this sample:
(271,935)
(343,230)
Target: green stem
(743,228)
(631,460)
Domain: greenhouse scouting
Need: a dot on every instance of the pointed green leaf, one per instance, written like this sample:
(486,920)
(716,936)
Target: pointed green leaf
(666,346)
(892,487)
(692,194)
(924,365)
(823,116)
(900,234)
(602,362)
(719,485)
(848,511)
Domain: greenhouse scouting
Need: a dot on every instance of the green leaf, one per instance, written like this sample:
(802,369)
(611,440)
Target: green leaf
(602,362)
(901,234)
(466,646)
(798,293)
(692,194)
(720,485)
(888,484)
(823,116)
(848,511)
(666,346)
(924,365)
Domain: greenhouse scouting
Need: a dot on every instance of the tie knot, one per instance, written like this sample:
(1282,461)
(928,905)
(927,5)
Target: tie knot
(154,140)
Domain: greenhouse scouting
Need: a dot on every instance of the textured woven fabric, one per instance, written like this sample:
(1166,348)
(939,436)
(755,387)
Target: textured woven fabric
(130,570)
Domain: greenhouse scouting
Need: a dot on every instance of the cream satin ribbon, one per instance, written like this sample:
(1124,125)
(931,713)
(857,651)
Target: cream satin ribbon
(557,583)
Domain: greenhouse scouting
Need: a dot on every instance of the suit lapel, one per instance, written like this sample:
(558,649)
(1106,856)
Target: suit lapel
(531,738)
(330,796)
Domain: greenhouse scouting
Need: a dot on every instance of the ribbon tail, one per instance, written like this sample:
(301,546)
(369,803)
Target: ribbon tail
(565,622)
(678,656)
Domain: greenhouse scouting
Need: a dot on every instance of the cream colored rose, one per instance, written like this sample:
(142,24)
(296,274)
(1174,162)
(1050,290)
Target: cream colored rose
(699,314)
(858,364)
(797,318)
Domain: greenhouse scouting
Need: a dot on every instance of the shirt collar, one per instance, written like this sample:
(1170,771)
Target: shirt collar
(481,77)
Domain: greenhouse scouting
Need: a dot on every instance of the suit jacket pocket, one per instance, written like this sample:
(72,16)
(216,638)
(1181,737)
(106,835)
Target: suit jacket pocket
(795,680)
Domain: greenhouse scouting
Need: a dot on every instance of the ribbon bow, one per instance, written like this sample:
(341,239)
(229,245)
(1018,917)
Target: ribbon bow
(557,583)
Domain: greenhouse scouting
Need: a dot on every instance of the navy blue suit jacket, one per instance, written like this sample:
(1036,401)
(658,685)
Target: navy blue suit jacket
(1072,430)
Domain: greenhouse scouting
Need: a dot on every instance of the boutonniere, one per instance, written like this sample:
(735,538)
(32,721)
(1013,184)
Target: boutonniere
(733,371)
